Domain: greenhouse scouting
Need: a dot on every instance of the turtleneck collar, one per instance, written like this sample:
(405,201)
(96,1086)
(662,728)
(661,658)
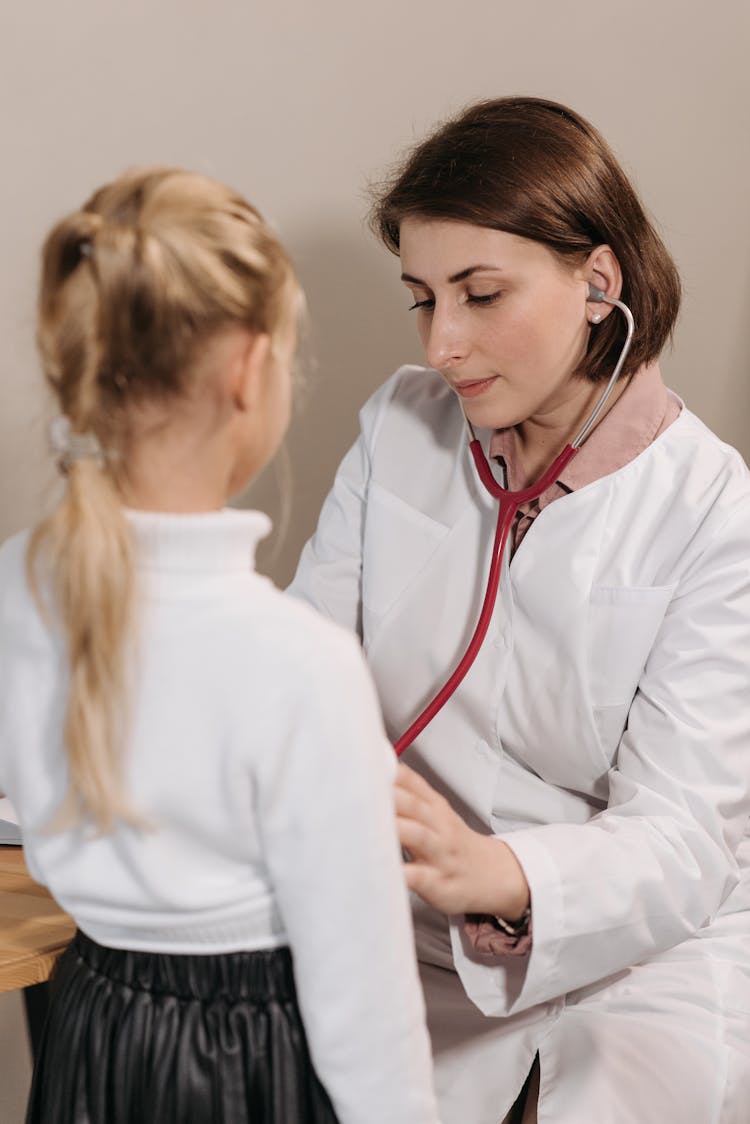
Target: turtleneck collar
(211,542)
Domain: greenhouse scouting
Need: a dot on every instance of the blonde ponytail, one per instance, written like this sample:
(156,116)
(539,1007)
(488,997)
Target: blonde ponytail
(132,286)
(83,554)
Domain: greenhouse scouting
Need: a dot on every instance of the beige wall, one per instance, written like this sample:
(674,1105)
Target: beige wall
(297,104)
(15,1062)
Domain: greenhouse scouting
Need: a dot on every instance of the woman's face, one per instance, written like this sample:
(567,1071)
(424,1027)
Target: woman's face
(501,318)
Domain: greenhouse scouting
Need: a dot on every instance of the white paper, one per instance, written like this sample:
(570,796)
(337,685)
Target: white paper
(7,811)
(10,833)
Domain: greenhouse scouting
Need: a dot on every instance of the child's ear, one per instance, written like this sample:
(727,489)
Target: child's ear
(249,368)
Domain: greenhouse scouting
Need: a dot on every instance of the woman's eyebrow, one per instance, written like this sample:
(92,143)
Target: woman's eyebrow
(456,277)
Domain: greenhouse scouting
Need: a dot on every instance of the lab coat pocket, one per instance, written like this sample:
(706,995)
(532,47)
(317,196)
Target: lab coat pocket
(399,540)
(622,626)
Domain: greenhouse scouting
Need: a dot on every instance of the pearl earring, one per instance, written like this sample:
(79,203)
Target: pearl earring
(596,318)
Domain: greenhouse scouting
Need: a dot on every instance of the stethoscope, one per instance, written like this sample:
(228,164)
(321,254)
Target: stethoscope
(508,505)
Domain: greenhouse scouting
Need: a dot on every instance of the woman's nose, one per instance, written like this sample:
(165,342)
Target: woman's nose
(446,343)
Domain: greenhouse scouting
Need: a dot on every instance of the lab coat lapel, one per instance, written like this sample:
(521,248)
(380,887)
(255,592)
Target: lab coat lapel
(550,582)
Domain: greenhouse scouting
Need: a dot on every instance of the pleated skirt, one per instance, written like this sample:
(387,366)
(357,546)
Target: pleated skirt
(149,1038)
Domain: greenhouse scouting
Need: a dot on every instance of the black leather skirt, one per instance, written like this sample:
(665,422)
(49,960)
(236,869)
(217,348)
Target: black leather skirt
(148,1038)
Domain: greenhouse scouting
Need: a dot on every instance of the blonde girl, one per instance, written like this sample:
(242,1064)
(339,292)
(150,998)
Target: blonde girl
(198,762)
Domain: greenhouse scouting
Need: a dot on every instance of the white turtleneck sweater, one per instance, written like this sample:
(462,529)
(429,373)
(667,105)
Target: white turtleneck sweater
(257,755)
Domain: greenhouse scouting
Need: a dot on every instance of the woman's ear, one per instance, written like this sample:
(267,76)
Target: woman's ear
(602,270)
(249,368)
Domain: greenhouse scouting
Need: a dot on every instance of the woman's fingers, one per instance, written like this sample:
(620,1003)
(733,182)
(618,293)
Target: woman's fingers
(452,867)
(417,877)
(412,807)
(417,800)
(432,834)
(420,841)
(424,817)
(409,781)
(416,827)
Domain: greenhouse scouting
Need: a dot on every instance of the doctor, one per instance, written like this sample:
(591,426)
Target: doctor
(577,814)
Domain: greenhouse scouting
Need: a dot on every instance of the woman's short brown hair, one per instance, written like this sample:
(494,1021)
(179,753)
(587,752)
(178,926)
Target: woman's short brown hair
(536,169)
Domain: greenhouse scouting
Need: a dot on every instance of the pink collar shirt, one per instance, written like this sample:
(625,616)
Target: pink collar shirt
(641,413)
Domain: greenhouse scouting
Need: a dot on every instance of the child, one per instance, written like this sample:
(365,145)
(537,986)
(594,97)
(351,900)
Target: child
(198,763)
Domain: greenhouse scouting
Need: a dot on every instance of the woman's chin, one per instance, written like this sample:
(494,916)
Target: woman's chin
(489,415)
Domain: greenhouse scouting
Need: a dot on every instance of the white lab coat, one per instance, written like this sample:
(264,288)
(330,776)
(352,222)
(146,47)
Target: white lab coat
(603,732)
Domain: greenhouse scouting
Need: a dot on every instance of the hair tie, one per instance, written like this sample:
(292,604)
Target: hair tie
(70,447)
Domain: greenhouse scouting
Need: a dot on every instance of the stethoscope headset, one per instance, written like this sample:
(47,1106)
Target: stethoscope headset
(508,504)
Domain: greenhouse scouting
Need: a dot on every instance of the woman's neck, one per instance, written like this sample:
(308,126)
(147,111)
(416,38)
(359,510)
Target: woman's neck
(542,437)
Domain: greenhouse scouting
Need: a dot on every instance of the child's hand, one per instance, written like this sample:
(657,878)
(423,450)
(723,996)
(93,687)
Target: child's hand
(453,868)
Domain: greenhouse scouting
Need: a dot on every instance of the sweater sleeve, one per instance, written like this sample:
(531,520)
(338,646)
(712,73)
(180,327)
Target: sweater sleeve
(658,863)
(325,807)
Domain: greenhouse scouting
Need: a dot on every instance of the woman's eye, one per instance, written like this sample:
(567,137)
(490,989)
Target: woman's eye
(483,298)
(427,303)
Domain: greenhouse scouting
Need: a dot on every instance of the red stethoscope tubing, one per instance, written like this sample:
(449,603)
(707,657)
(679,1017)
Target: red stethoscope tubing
(508,505)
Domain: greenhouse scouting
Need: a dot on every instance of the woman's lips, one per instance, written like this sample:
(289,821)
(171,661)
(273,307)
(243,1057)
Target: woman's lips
(472,389)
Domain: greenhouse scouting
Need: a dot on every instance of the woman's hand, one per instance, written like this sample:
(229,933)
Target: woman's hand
(453,868)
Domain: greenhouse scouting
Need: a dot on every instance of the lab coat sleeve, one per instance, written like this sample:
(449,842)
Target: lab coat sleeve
(328,825)
(658,863)
(329,574)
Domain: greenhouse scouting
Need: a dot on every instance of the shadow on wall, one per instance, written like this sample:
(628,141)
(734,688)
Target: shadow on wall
(360,333)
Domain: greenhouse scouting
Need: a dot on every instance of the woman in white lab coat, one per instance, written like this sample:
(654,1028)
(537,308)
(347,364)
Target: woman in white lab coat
(577,814)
